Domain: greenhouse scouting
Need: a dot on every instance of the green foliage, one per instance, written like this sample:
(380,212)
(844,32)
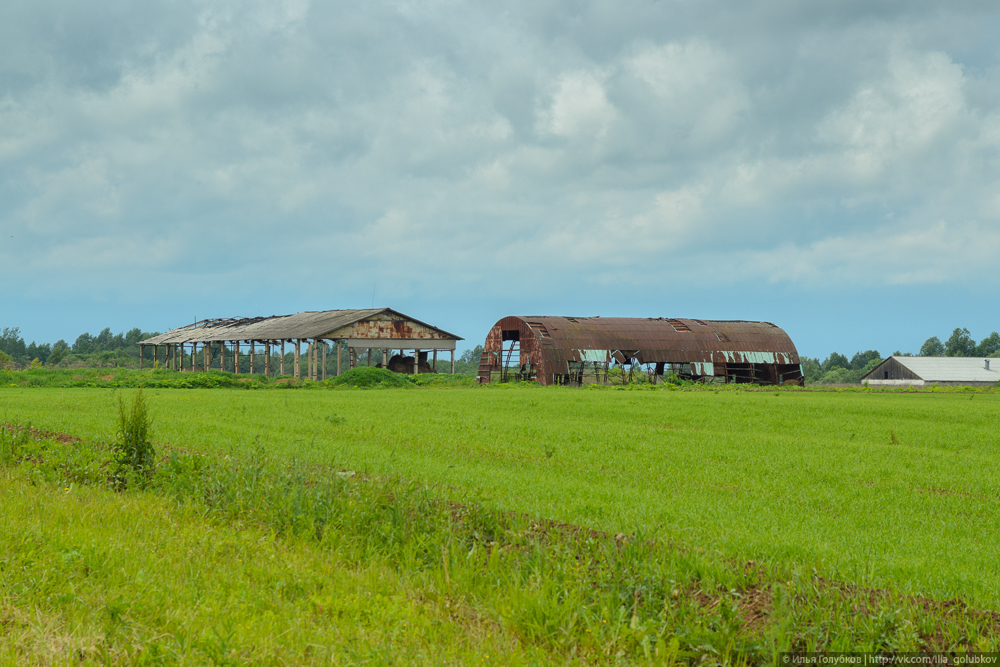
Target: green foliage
(59,352)
(932,347)
(960,344)
(468,362)
(369,377)
(835,360)
(6,361)
(989,346)
(862,359)
(812,369)
(133,447)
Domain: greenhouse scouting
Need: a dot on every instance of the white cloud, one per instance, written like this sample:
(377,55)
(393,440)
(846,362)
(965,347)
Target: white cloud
(579,108)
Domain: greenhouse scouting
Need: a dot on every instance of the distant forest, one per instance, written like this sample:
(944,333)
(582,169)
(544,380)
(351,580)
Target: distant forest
(837,369)
(107,350)
(122,350)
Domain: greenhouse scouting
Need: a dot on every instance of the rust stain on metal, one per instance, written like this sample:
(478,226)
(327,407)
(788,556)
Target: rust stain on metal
(557,349)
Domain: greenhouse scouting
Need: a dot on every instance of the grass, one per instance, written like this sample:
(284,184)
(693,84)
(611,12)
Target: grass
(751,521)
(125,378)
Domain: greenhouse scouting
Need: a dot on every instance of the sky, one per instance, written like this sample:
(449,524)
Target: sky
(833,168)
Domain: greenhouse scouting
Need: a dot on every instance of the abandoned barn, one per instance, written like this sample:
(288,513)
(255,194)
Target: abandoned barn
(381,329)
(585,350)
(919,371)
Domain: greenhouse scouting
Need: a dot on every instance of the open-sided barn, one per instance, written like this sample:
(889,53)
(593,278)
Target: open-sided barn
(919,371)
(577,350)
(377,328)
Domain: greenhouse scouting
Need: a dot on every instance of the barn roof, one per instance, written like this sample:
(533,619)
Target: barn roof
(309,324)
(947,369)
(663,338)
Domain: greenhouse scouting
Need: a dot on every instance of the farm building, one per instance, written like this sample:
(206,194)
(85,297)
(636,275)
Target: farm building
(371,329)
(919,371)
(584,350)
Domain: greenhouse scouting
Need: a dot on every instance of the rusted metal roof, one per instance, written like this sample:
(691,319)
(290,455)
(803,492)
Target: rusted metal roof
(549,343)
(668,339)
(376,323)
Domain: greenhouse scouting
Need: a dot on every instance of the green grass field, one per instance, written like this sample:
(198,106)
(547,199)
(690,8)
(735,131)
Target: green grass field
(895,492)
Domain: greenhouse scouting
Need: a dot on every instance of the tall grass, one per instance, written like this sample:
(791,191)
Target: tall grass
(133,448)
(575,593)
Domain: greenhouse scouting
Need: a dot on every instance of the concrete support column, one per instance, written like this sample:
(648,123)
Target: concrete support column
(298,358)
(453,362)
(338,357)
(435,360)
(267,359)
(282,371)
(416,362)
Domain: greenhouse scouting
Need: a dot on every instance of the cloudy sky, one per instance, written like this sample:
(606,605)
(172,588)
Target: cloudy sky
(830,167)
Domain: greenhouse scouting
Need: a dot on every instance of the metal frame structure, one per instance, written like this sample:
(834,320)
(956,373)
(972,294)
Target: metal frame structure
(371,329)
(585,350)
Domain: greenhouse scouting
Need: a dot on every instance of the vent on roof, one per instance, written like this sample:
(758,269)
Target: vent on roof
(701,323)
(721,336)
(987,364)
(678,325)
(540,328)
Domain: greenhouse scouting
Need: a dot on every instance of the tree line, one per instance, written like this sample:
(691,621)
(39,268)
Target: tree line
(837,369)
(122,350)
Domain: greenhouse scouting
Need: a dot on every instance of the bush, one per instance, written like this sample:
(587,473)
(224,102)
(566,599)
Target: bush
(133,450)
(371,378)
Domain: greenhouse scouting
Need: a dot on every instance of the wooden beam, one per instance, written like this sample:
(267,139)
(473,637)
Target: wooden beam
(435,360)
(236,357)
(338,358)
(453,362)
(142,353)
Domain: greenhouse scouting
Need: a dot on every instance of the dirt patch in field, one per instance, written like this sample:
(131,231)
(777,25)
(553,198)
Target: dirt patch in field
(40,434)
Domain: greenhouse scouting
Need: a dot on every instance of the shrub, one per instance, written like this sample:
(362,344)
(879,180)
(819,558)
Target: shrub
(133,449)
(371,378)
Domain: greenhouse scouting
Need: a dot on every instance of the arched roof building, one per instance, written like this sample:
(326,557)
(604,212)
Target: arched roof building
(568,349)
